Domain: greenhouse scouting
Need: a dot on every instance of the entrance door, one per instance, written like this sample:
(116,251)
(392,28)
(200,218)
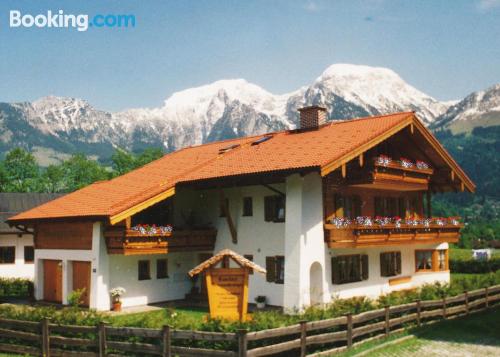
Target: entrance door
(81,280)
(52,280)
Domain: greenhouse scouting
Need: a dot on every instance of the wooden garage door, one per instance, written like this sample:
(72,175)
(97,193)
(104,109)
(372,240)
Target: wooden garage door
(52,280)
(81,279)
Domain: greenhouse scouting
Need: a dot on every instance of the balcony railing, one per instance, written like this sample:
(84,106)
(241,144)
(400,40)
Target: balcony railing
(360,235)
(129,242)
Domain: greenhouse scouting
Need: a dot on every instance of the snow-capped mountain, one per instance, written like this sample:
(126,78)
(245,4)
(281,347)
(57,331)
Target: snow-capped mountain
(480,108)
(52,126)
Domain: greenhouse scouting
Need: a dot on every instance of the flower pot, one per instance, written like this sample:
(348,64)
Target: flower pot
(261,305)
(117,306)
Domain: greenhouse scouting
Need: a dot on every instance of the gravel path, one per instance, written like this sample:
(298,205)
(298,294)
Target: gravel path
(429,348)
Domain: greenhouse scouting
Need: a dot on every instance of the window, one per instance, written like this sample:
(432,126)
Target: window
(222,208)
(275,267)
(387,206)
(442,259)
(161,269)
(274,208)
(247,206)
(144,270)
(249,257)
(29,254)
(349,268)
(423,260)
(390,263)
(7,255)
(347,206)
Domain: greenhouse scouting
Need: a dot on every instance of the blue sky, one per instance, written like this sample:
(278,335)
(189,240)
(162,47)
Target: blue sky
(444,48)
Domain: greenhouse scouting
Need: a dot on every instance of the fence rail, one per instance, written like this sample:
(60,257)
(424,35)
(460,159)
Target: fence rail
(331,335)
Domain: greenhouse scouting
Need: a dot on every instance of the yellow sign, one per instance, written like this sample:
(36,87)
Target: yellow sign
(228,292)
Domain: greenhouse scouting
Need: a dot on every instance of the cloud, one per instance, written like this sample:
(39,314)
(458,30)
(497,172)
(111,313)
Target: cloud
(486,5)
(311,6)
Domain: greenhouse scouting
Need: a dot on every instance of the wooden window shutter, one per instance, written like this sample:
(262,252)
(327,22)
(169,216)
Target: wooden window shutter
(335,270)
(270,269)
(383,264)
(269,208)
(364,267)
(356,203)
(398,263)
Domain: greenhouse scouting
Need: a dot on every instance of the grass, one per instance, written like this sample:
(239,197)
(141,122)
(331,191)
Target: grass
(466,254)
(186,317)
(477,329)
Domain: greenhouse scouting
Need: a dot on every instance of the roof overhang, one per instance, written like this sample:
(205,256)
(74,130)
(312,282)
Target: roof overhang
(120,216)
(415,124)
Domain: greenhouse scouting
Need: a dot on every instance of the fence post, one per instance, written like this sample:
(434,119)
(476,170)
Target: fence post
(486,296)
(444,307)
(166,340)
(419,309)
(303,336)
(466,302)
(44,324)
(387,327)
(242,343)
(101,333)
(349,330)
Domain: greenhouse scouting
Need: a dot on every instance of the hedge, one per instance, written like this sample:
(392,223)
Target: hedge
(474,266)
(16,287)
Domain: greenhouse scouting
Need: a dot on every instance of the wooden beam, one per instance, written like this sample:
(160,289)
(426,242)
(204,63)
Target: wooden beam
(462,186)
(452,175)
(361,160)
(344,170)
(412,129)
(227,214)
(141,206)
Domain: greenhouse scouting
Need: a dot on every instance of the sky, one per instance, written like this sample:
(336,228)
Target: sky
(446,49)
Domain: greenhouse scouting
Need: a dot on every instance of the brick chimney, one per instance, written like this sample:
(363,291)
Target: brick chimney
(312,117)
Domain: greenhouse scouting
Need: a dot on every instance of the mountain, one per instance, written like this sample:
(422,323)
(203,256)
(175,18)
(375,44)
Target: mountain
(479,109)
(53,127)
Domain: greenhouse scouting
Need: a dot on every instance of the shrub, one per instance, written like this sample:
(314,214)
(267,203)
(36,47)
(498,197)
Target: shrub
(75,297)
(474,266)
(16,287)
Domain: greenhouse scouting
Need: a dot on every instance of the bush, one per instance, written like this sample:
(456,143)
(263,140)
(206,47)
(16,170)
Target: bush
(16,287)
(474,266)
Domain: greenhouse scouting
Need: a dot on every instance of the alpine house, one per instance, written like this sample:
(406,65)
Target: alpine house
(335,209)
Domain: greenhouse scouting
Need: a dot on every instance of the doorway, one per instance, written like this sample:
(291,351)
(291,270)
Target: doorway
(316,284)
(52,280)
(81,280)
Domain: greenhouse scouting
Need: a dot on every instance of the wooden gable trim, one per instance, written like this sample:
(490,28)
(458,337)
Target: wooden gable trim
(333,165)
(141,206)
(466,182)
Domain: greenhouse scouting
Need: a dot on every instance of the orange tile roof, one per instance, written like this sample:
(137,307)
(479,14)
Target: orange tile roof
(286,150)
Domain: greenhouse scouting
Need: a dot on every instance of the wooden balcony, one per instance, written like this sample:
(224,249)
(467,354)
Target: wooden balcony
(393,176)
(130,242)
(354,236)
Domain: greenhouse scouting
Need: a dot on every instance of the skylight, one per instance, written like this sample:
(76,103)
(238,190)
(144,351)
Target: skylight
(261,140)
(228,148)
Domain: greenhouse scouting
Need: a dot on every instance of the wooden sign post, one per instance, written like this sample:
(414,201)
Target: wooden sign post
(227,287)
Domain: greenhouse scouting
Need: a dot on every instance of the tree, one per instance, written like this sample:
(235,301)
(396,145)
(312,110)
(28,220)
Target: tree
(79,171)
(148,155)
(123,162)
(21,172)
(53,179)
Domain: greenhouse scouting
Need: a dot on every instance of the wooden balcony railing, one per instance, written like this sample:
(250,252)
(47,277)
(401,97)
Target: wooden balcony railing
(129,242)
(355,235)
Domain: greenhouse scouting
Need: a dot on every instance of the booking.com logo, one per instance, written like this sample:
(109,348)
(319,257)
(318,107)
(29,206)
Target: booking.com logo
(80,22)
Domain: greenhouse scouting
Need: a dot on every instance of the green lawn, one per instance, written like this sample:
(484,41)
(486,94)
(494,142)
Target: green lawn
(466,254)
(475,332)
(191,316)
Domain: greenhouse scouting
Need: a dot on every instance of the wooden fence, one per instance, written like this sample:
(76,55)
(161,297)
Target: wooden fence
(328,336)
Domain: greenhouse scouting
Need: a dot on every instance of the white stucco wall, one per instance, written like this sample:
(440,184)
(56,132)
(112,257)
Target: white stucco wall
(124,272)
(255,236)
(376,284)
(19,269)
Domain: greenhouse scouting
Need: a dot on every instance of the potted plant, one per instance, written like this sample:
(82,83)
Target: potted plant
(261,301)
(116,293)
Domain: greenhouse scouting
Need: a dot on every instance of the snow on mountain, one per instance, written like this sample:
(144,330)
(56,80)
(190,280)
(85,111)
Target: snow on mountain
(480,108)
(220,110)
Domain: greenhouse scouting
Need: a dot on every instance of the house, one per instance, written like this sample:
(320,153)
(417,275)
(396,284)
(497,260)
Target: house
(16,245)
(334,209)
